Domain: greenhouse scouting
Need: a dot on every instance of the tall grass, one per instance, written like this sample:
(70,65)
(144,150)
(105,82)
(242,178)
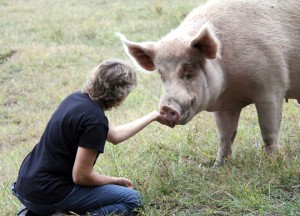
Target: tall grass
(47,49)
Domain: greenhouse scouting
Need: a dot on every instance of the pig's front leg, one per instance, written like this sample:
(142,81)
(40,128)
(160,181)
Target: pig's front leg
(269,117)
(227,123)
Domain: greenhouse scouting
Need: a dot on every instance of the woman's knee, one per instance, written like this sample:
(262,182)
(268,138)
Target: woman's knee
(134,200)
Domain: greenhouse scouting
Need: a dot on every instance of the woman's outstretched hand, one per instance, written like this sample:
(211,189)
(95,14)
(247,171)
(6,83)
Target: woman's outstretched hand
(160,118)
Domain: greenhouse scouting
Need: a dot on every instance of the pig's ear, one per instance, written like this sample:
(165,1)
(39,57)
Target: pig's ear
(141,53)
(206,42)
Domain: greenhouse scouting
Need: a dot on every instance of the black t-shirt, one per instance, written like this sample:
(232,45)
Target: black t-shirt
(45,175)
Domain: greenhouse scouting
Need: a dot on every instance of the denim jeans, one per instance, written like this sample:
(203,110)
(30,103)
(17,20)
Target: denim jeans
(99,200)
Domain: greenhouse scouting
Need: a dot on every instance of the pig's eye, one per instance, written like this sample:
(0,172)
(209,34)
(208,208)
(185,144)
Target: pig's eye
(186,73)
(188,76)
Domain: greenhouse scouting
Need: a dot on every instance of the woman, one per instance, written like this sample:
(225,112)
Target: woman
(57,175)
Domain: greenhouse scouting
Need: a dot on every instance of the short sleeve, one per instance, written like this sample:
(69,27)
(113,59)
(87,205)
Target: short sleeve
(94,136)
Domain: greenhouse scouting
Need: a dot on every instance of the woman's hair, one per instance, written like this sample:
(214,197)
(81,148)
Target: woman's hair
(110,83)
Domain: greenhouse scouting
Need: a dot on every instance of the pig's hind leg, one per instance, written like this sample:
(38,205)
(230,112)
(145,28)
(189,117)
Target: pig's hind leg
(227,123)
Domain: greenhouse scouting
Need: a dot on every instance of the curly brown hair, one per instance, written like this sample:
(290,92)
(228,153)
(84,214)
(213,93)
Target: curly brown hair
(110,83)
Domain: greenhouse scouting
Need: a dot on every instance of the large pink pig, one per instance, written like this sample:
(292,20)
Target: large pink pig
(225,55)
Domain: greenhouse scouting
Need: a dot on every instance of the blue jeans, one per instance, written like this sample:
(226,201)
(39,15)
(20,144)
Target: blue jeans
(99,200)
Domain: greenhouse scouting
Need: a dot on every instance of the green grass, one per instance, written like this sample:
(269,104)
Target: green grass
(47,49)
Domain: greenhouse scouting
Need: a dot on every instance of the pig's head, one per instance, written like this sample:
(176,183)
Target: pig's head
(188,68)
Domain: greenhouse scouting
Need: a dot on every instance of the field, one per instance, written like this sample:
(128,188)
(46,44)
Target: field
(47,49)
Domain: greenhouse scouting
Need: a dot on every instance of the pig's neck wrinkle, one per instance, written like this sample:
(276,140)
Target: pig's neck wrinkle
(216,81)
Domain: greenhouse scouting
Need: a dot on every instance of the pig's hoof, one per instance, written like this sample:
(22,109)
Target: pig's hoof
(271,149)
(218,163)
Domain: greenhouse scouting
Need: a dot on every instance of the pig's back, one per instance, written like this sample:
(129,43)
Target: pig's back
(271,20)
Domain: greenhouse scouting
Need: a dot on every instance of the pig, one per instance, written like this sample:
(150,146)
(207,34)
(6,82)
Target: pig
(225,55)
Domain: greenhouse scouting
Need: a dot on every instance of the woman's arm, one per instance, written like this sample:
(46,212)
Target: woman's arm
(83,173)
(120,133)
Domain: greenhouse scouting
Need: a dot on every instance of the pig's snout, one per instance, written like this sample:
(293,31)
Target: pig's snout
(170,114)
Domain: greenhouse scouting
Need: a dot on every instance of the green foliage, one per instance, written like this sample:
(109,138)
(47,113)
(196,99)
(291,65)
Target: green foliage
(47,49)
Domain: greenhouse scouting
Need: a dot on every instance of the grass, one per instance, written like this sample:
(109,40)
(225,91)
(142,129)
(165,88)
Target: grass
(47,49)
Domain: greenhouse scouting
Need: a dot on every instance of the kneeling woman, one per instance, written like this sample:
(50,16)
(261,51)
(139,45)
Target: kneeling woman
(57,175)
